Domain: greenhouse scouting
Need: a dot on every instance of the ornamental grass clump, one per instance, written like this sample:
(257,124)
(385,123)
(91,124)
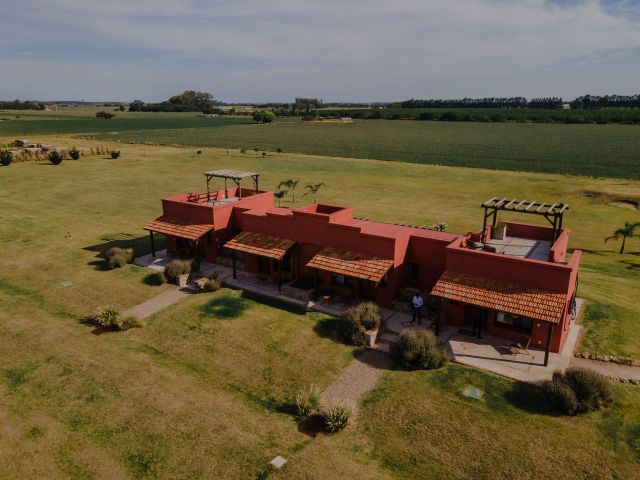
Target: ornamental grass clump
(177,267)
(337,418)
(212,285)
(360,318)
(419,350)
(111,318)
(117,257)
(307,402)
(578,390)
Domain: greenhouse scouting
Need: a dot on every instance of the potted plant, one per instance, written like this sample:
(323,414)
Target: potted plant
(364,322)
(499,231)
(179,270)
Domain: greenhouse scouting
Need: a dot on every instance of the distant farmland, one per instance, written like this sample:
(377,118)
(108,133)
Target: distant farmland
(592,150)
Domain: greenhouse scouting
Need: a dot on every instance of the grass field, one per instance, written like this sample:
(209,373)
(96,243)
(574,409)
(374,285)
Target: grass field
(594,150)
(206,379)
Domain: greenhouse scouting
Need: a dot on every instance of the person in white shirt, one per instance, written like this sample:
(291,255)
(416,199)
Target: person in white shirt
(416,305)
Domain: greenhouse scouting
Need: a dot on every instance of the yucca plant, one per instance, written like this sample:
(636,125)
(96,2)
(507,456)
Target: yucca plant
(307,401)
(337,418)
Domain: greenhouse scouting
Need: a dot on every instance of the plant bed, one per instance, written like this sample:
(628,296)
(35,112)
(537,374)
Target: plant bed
(300,289)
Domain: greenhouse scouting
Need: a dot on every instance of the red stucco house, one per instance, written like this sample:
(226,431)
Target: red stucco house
(515,275)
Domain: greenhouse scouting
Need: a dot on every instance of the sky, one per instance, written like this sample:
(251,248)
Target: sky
(336,50)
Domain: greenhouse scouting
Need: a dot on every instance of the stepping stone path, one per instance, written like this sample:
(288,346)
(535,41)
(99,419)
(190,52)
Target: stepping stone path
(356,380)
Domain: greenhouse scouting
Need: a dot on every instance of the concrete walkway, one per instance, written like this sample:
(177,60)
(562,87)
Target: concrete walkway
(608,369)
(356,380)
(155,304)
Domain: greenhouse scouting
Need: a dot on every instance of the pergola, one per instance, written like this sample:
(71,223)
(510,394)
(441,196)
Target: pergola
(233,175)
(553,212)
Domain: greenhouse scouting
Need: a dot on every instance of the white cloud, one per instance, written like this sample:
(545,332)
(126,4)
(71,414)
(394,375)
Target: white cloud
(375,49)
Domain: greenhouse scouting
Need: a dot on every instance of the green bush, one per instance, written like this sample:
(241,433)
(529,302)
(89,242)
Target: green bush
(114,154)
(111,318)
(177,267)
(55,157)
(74,153)
(212,285)
(578,390)
(117,257)
(105,115)
(419,350)
(128,322)
(337,418)
(364,316)
(6,157)
(157,278)
(307,401)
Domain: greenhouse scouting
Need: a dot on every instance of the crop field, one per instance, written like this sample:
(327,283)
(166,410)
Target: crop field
(210,378)
(593,150)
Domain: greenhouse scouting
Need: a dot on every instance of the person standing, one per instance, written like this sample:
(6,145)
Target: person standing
(417,303)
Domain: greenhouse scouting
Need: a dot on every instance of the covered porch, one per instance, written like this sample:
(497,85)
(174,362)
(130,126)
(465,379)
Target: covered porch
(350,275)
(525,315)
(270,253)
(183,238)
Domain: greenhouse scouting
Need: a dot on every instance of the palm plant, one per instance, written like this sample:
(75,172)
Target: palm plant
(290,187)
(312,189)
(280,195)
(628,231)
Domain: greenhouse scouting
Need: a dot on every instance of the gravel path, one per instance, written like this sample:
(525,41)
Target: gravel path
(356,380)
(608,369)
(155,304)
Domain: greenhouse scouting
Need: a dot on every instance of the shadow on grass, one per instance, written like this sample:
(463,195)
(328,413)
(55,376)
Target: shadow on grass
(97,329)
(334,328)
(225,306)
(274,302)
(529,398)
(140,244)
(99,265)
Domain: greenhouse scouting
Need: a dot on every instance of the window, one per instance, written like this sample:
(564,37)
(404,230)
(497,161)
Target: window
(514,322)
(342,280)
(415,271)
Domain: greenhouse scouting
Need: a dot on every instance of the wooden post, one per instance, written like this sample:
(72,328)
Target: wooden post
(483,237)
(548,347)
(279,274)
(233,264)
(226,190)
(437,319)
(315,282)
(153,245)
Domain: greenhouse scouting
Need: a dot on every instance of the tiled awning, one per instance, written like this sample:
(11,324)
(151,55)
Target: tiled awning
(260,244)
(501,296)
(352,264)
(178,227)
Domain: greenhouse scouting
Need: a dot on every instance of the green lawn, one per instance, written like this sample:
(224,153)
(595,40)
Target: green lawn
(594,150)
(205,379)
(422,426)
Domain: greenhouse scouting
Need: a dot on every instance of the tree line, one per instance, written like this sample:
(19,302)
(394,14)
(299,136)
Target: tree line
(22,105)
(187,101)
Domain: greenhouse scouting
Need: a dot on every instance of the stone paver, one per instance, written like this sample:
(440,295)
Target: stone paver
(608,369)
(356,380)
(155,304)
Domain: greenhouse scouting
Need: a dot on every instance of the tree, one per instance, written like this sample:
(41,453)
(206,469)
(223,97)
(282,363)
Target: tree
(137,106)
(628,231)
(6,157)
(280,195)
(290,186)
(312,189)
(74,153)
(105,115)
(264,117)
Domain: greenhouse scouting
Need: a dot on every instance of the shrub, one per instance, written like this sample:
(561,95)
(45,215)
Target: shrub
(6,157)
(159,278)
(439,227)
(199,152)
(212,285)
(117,257)
(128,322)
(364,316)
(419,350)
(74,153)
(307,401)
(578,390)
(55,157)
(337,418)
(114,154)
(177,267)
(279,150)
(105,115)
(243,150)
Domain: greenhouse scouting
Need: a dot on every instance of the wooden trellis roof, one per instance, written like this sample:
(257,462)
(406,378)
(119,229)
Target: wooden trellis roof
(227,173)
(352,264)
(178,227)
(501,296)
(260,244)
(525,206)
